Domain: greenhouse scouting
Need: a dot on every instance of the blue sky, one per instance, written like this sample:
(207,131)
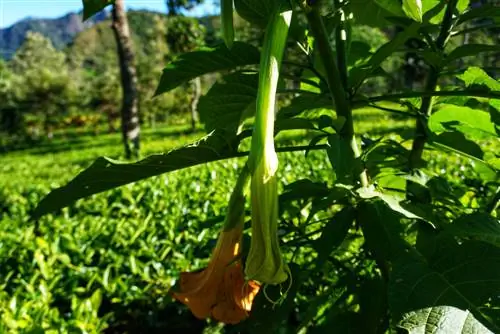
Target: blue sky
(15,10)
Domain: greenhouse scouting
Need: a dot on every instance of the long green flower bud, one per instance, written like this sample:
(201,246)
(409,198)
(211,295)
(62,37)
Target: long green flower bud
(226,21)
(236,211)
(265,262)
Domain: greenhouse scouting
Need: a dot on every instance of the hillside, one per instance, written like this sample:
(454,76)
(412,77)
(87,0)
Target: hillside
(60,31)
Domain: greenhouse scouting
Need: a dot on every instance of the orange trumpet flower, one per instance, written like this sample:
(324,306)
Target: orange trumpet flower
(220,290)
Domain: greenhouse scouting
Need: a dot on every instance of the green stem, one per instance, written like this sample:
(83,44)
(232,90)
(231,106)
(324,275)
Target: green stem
(396,97)
(421,135)
(492,206)
(340,44)
(335,85)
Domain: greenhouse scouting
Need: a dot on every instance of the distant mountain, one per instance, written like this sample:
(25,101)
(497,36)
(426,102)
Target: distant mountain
(61,31)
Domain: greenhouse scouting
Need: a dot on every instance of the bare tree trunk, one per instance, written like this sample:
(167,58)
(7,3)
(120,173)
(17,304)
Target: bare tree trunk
(196,83)
(126,57)
(172,9)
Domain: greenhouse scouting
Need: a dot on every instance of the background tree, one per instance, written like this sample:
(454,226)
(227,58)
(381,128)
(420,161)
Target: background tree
(174,6)
(130,105)
(41,86)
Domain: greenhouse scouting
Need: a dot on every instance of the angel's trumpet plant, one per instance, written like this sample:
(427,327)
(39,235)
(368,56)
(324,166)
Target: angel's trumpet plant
(265,262)
(220,291)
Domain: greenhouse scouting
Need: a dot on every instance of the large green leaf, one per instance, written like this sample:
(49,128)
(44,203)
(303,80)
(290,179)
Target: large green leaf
(105,174)
(477,76)
(92,7)
(466,276)
(255,11)
(333,234)
(469,50)
(442,319)
(207,60)
(472,122)
(477,226)
(382,230)
(228,102)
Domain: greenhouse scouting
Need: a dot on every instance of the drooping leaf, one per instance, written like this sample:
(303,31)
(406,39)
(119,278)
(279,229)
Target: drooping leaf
(480,12)
(472,122)
(413,9)
(228,102)
(442,319)
(465,276)
(456,142)
(105,173)
(92,7)
(477,226)
(471,50)
(382,229)
(333,234)
(207,60)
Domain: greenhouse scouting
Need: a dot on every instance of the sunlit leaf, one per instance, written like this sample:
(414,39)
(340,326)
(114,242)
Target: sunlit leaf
(466,276)
(442,319)
(105,173)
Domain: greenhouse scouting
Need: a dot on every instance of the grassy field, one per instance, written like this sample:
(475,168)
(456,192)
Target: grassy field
(107,262)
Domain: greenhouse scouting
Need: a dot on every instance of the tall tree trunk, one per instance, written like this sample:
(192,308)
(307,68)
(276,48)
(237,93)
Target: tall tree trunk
(196,83)
(126,57)
(172,9)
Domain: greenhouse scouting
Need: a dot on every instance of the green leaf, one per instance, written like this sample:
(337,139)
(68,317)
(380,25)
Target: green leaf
(255,11)
(442,319)
(477,76)
(393,201)
(92,7)
(360,72)
(105,173)
(477,226)
(374,13)
(438,7)
(229,102)
(392,6)
(456,142)
(304,104)
(333,234)
(469,50)
(207,60)
(466,276)
(481,12)
(473,122)
(382,229)
(413,9)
